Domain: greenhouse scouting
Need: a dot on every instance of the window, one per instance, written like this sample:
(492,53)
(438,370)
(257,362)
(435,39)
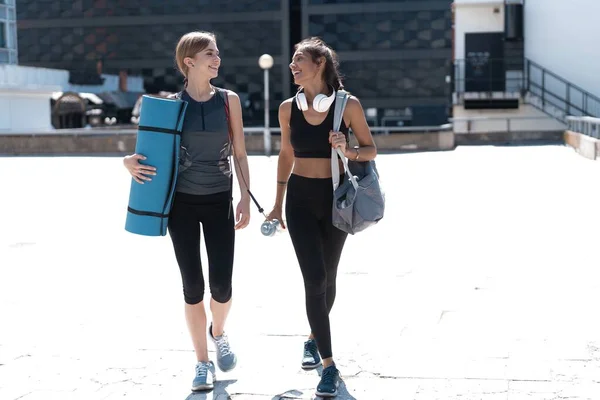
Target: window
(2,34)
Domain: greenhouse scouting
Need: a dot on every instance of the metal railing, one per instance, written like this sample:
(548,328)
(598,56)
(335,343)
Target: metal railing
(376,130)
(553,90)
(512,76)
(487,75)
(589,126)
(249,131)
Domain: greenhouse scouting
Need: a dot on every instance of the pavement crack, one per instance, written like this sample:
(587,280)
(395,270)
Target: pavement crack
(375,374)
(103,385)
(443,314)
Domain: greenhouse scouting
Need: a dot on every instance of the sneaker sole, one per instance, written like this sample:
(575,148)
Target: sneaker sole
(334,394)
(327,394)
(311,367)
(202,388)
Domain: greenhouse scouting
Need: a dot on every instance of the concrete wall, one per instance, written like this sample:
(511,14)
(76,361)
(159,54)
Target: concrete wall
(25,110)
(525,118)
(119,141)
(584,145)
(562,36)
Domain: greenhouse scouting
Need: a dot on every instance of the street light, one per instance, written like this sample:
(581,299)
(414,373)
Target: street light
(266,62)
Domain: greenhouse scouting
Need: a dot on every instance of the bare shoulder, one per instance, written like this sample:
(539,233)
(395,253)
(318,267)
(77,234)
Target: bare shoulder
(286,106)
(231,95)
(353,108)
(353,104)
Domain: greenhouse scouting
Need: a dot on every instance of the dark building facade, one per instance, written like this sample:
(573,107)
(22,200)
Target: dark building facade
(394,54)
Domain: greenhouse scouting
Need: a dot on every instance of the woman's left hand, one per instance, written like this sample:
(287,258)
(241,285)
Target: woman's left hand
(338,140)
(242,214)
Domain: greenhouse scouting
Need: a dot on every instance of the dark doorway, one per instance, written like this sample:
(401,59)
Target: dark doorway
(484,62)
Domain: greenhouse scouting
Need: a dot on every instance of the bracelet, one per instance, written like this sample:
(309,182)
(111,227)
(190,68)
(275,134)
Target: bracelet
(282,182)
(357,153)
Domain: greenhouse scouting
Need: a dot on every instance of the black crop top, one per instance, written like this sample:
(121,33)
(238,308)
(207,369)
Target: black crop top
(312,141)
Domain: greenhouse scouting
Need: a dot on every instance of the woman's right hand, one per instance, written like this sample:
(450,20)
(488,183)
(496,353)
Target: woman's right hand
(138,171)
(276,213)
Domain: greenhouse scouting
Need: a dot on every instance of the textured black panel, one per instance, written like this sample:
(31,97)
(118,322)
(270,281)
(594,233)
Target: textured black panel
(395,78)
(246,81)
(149,42)
(2,37)
(50,9)
(379,31)
(366,2)
(133,47)
(75,48)
(339,1)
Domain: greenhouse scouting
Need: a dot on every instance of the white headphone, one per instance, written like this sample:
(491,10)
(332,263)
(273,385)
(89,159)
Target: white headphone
(321,102)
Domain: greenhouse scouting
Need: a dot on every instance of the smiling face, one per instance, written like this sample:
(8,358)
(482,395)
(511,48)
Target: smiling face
(204,63)
(197,55)
(303,67)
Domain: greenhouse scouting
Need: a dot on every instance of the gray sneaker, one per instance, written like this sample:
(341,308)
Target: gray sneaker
(226,359)
(205,376)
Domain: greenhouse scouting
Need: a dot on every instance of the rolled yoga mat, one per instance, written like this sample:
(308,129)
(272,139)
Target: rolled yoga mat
(158,139)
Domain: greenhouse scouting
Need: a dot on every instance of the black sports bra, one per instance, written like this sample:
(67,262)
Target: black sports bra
(312,141)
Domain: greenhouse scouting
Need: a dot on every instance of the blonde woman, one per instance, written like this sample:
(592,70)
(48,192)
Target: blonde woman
(203,198)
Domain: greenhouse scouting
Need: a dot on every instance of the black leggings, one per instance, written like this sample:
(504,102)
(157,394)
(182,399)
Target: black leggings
(215,213)
(318,245)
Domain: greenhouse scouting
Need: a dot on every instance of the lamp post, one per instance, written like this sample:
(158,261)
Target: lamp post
(266,62)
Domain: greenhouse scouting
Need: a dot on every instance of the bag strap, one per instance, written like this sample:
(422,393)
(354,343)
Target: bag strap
(341,99)
(225,97)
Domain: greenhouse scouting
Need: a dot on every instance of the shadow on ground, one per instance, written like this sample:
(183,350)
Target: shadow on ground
(218,393)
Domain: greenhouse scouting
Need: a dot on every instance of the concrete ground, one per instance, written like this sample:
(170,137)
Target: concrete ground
(481,282)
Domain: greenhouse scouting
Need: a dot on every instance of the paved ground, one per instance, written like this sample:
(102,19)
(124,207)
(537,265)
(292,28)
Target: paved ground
(481,283)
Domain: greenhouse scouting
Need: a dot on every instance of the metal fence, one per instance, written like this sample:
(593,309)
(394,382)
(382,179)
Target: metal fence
(589,126)
(558,92)
(497,76)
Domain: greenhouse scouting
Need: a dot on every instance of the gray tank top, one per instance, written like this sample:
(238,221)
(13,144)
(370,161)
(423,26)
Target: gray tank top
(204,166)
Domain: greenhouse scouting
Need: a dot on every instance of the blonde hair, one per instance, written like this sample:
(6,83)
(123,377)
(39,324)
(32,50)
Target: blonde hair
(189,45)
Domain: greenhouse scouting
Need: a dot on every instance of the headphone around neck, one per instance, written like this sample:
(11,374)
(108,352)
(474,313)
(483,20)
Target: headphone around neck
(321,102)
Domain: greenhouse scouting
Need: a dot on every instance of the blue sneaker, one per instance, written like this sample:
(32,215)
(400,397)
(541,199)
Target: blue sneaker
(330,380)
(310,358)
(226,359)
(205,376)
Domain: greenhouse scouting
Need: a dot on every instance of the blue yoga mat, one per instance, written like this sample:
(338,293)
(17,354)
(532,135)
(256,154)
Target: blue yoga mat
(158,139)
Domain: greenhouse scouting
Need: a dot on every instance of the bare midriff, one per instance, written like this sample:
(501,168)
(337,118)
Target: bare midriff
(314,167)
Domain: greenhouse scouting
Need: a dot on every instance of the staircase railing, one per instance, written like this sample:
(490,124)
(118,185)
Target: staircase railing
(559,93)
(537,85)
